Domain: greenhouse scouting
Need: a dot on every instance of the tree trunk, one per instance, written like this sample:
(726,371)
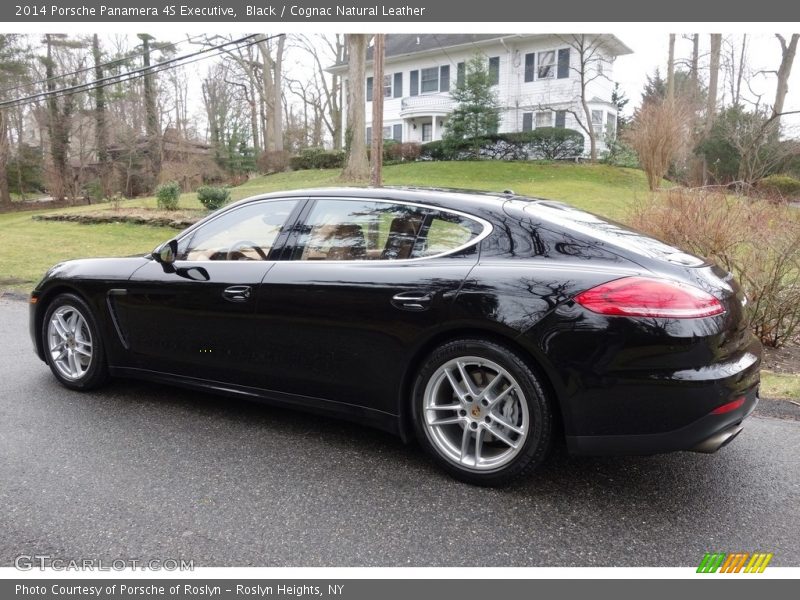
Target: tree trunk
(5,195)
(277,113)
(377,111)
(788,52)
(671,68)
(101,126)
(713,79)
(357,168)
(151,112)
(57,130)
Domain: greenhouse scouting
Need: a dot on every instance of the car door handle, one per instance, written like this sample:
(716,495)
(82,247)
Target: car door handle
(412,300)
(237,293)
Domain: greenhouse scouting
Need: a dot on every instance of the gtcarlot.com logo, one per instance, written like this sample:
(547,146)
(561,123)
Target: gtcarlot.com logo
(736,562)
(42,562)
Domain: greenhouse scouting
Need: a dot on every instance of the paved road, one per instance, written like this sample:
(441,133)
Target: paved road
(143,471)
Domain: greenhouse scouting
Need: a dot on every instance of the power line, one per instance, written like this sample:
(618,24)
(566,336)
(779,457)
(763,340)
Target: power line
(138,73)
(117,61)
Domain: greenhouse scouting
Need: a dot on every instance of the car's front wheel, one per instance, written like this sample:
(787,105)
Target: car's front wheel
(72,343)
(482,412)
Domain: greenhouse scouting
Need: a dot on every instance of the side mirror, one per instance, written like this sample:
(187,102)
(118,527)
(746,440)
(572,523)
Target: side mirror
(166,253)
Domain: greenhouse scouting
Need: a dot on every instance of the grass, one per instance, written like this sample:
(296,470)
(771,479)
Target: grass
(780,385)
(30,247)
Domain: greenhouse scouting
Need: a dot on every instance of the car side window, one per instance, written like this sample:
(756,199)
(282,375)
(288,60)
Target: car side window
(246,233)
(372,230)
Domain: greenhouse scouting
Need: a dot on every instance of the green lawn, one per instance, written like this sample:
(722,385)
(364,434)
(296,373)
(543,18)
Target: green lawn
(28,247)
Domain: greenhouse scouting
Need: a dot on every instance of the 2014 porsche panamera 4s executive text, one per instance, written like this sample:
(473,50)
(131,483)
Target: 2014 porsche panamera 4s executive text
(484,325)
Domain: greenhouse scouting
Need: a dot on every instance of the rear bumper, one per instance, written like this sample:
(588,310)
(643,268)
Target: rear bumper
(707,434)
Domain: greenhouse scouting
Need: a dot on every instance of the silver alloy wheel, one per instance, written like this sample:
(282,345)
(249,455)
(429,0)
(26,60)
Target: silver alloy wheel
(69,342)
(475,413)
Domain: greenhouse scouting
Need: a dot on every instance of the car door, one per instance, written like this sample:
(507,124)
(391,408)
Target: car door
(366,280)
(195,317)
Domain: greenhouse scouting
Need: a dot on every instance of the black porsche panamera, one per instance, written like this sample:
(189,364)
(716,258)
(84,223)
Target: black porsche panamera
(484,325)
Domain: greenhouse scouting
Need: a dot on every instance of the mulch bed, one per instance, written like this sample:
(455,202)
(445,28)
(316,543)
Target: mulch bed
(782,360)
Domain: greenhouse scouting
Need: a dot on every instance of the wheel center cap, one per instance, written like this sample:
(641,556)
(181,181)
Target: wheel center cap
(475,412)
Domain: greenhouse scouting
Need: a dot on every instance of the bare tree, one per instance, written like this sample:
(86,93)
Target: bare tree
(101,124)
(788,51)
(377,110)
(591,52)
(325,49)
(357,167)
(659,134)
(11,68)
(271,79)
(671,67)
(713,79)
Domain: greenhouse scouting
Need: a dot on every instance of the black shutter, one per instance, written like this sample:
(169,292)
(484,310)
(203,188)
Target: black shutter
(414,91)
(530,66)
(461,69)
(563,63)
(369,135)
(494,70)
(369,89)
(527,121)
(398,85)
(397,133)
(444,78)
(561,119)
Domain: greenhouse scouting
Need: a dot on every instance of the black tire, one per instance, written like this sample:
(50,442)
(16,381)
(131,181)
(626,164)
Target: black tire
(96,371)
(538,437)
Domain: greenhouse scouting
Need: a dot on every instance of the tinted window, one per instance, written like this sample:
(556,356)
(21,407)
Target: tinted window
(246,233)
(370,230)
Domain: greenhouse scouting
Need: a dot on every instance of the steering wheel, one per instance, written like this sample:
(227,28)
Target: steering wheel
(234,250)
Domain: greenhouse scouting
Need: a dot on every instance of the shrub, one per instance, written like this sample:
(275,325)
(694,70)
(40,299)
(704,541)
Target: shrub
(318,158)
(659,135)
(213,197)
(759,242)
(549,143)
(782,186)
(167,195)
(274,161)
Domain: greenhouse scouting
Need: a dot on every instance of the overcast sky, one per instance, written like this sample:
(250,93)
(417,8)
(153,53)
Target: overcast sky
(763,53)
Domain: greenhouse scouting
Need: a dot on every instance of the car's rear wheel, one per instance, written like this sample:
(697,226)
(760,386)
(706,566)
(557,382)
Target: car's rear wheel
(72,343)
(482,412)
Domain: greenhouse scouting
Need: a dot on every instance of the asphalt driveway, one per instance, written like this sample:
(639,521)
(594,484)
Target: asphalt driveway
(145,471)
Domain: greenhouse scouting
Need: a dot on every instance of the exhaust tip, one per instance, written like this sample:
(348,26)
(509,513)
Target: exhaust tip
(718,440)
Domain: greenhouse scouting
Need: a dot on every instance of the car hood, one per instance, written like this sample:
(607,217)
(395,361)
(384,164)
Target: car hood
(95,268)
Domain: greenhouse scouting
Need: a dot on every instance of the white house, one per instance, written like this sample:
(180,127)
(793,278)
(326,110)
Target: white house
(537,79)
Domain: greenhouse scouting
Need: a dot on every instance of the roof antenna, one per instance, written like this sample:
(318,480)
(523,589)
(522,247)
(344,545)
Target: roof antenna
(509,192)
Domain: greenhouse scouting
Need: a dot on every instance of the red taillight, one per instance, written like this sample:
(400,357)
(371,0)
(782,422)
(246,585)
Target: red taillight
(645,297)
(726,408)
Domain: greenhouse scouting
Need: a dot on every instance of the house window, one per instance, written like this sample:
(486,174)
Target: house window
(530,61)
(527,121)
(398,85)
(461,69)
(561,119)
(544,119)
(387,86)
(387,132)
(369,89)
(444,78)
(494,70)
(597,121)
(427,132)
(563,63)
(430,80)
(397,133)
(547,64)
(611,125)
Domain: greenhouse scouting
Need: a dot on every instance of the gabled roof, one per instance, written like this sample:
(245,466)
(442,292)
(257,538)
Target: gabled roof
(402,45)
